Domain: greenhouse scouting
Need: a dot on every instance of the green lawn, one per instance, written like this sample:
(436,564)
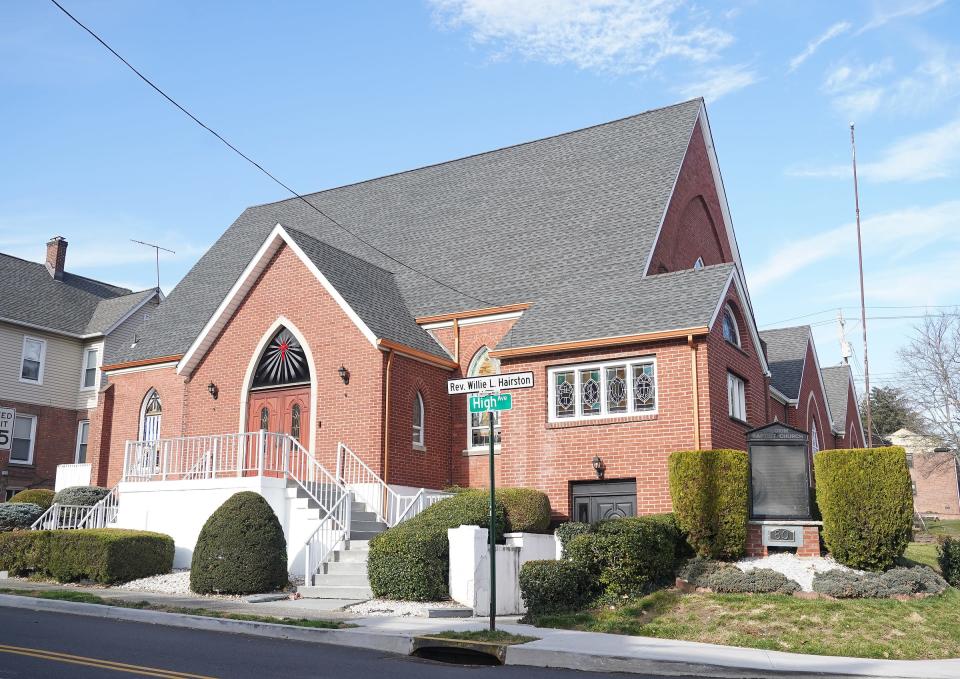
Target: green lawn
(946,528)
(869,628)
(924,554)
(496,636)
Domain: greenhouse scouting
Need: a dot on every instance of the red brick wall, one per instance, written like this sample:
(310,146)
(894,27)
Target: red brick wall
(853,423)
(693,225)
(55,443)
(810,547)
(935,479)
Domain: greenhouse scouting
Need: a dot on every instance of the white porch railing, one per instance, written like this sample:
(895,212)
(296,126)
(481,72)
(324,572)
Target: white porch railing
(389,506)
(70,517)
(334,530)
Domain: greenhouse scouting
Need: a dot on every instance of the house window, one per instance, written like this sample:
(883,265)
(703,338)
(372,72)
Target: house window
(478,424)
(697,265)
(90,359)
(418,421)
(814,439)
(24,436)
(83,432)
(612,389)
(730,331)
(31,361)
(150,418)
(737,397)
(10,493)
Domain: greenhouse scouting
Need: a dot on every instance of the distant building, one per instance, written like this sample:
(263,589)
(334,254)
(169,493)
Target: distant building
(934,474)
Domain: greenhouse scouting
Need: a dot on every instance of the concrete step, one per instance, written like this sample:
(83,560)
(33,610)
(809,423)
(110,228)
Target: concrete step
(350,556)
(340,580)
(334,592)
(345,568)
(358,543)
(364,536)
(375,527)
(363,515)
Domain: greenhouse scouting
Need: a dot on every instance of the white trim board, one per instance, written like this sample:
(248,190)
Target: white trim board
(751,325)
(476,320)
(244,284)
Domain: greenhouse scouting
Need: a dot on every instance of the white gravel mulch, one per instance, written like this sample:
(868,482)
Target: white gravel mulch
(800,569)
(177,582)
(386,607)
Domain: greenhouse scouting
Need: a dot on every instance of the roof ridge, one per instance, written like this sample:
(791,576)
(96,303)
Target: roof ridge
(478,154)
(787,327)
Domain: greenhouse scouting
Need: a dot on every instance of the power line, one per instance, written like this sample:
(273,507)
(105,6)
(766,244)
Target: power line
(852,308)
(259,166)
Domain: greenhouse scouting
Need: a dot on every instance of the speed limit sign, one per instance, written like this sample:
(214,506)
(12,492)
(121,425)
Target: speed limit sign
(7,415)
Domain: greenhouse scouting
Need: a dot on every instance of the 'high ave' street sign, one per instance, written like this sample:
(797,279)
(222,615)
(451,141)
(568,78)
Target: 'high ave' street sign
(483,403)
(472,385)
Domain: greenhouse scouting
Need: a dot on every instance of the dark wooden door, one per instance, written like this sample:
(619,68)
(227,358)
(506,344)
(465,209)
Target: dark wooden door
(600,500)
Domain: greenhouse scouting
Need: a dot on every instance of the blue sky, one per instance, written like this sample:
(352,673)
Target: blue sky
(328,93)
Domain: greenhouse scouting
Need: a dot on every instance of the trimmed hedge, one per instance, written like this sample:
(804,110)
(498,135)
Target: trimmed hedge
(86,496)
(527,510)
(710,493)
(104,555)
(42,497)
(866,501)
(553,586)
(18,515)
(895,582)
(755,581)
(948,556)
(240,549)
(565,532)
(411,561)
(698,571)
(627,557)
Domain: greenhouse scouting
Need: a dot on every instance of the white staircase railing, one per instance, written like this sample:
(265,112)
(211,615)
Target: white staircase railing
(389,506)
(104,512)
(72,517)
(333,531)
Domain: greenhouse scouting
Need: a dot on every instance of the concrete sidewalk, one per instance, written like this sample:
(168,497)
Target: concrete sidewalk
(555,648)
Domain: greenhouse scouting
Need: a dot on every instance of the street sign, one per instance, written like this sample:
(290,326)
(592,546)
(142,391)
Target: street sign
(483,403)
(472,385)
(7,416)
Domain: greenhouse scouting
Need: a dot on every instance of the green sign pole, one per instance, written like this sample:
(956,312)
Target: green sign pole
(493,537)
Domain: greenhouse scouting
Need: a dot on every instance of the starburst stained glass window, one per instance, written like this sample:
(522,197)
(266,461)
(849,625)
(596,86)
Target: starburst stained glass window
(283,362)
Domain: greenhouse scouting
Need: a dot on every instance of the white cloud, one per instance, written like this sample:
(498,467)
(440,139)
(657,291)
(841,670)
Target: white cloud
(934,154)
(892,236)
(846,77)
(899,10)
(717,82)
(836,29)
(616,36)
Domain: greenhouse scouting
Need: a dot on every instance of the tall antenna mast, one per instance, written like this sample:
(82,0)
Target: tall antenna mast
(863,304)
(845,351)
(156,250)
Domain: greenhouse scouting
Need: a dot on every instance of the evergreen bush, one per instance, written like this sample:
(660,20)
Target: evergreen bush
(710,493)
(18,515)
(241,549)
(527,510)
(42,497)
(565,532)
(948,557)
(553,586)
(85,496)
(842,584)
(756,581)
(866,500)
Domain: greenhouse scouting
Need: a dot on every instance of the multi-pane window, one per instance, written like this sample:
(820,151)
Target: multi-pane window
(737,397)
(418,420)
(24,434)
(31,363)
(731,332)
(90,358)
(478,424)
(612,389)
(83,432)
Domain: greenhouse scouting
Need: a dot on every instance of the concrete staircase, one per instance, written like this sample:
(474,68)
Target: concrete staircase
(344,575)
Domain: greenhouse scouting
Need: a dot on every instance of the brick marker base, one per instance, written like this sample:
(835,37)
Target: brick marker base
(810,547)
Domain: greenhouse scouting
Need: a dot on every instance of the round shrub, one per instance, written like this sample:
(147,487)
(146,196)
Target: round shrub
(42,497)
(710,493)
(948,557)
(697,571)
(866,501)
(565,532)
(528,510)
(85,496)
(756,581)
(18,515)
(411,561)
(553,586)
(626,557)
(241,549)
(895,582)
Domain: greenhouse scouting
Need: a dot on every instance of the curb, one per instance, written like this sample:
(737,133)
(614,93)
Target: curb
(359,638)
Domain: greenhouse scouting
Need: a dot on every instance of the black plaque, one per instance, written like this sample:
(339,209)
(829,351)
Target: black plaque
(779,473)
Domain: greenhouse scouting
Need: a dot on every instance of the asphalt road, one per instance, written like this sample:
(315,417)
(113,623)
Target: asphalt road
(50,645)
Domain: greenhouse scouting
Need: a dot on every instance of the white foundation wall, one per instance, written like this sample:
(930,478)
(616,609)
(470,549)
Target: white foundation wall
(180,508)
(470,567)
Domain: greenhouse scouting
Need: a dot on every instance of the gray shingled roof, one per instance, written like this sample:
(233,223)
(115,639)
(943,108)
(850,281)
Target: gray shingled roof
(786,352)
(527,223)
(683,299)
(74,305)
(836,382)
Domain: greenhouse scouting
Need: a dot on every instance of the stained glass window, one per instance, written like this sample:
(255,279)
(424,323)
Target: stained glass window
(283,362)
(730,331)
(565,391)
(590,392)
(294,421)
(153,404)
(611,389)
(644,388)
(617,389)
(265,418)
(418,420)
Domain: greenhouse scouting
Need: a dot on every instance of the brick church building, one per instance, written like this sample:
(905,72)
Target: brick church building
(603,260)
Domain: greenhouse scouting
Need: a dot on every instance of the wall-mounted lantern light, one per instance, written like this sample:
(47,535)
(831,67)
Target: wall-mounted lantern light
(344,375)
(598,466)
(213,390)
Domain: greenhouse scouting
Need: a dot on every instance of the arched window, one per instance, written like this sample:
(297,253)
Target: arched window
(697,265)
(731,332)
(150,415)
(478,424)
(283,362)
(418,420)
(814,438)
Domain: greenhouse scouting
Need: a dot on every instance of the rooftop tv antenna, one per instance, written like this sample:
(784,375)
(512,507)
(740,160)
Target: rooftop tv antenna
(156,250)
(845,350)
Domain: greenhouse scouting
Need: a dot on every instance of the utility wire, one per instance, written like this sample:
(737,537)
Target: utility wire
(848,308)
(260,167)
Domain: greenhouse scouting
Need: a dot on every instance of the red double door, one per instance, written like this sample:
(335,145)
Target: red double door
(281,411)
